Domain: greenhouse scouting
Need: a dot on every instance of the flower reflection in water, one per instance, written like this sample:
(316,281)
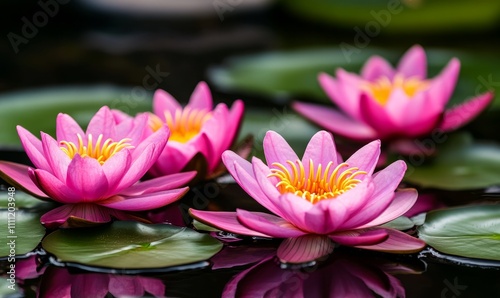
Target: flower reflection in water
(60,283)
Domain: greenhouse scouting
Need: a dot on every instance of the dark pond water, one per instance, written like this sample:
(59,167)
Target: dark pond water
(82,46)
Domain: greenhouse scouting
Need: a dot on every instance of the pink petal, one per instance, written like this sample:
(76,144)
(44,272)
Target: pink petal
(114,169)
(465,112)
(386,181)
(377,67)
(144,202)
(125,286)
(172,160)
(57,159)
(144,156)
(103,123)
(163,102)
(201,99)
(159,184)
(414,63)
(89,285)
(321,150)
(330,215)
(397,242)
(136,129)
(215,130)
(402,202)
(86,178)
(17,175)
(60,215)
(396,107)
(225,221)
(304,249)
(154,286)
(268,224)
(366,158)
(335,121)
(344,94)
(55,188)
(376,116)
(33,148)
(360,237)
(67,129)
(442,86)
(235,119)
(276,149)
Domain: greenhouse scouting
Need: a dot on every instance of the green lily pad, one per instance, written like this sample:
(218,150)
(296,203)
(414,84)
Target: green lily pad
(203,227)
(21,227)
(36,110)
(400,16)
(401,223)
(131,245)
(471,231)
(460,164)
(22,200)
(290,74)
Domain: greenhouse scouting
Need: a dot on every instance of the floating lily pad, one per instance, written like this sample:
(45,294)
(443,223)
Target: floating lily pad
(36,110)
(471,231)
(131,245)
(460,164)
(21,227)
(286,75)
(400,16)
(401,223)
(203,227)
(21,199)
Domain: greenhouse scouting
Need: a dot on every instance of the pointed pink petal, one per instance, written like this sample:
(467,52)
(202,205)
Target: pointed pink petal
(114,169)
(235,120)
(397,242)
(366,158)
(103,123)
(442,86)
(330,215)
(60,215)
(67,129)
(402,202)
(57,159)
(33,148)
(134,128)
(376,116)
(386,181)
(172,160)
(17,175)
(215,130)
(344,94)
(201,99)
(164,102)
(377,67)
(86,178)
(321,150)
(225,221)
(268,224)
(144,156)
(276,149)
(335,121)
(144,202)
(159,184)
(414,63)
(465,112)
(395,107)
(55,188)
(360,237)
(304,249)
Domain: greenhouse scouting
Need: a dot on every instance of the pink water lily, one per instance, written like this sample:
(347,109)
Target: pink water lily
(95,174)
(199,132)
(393,103)
(318,199)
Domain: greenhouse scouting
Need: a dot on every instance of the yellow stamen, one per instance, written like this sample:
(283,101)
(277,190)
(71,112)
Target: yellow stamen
(184,124)
(382,88)
(98,151)
(319,184)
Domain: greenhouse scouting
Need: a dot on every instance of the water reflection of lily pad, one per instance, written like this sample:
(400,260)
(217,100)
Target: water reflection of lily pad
(461,164)
(21,227)
(470,231)
(36,110)
(131,245)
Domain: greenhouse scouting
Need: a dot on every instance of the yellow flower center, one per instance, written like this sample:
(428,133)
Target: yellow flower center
(382,88)
(98,151)
(319,184)
(184,124)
